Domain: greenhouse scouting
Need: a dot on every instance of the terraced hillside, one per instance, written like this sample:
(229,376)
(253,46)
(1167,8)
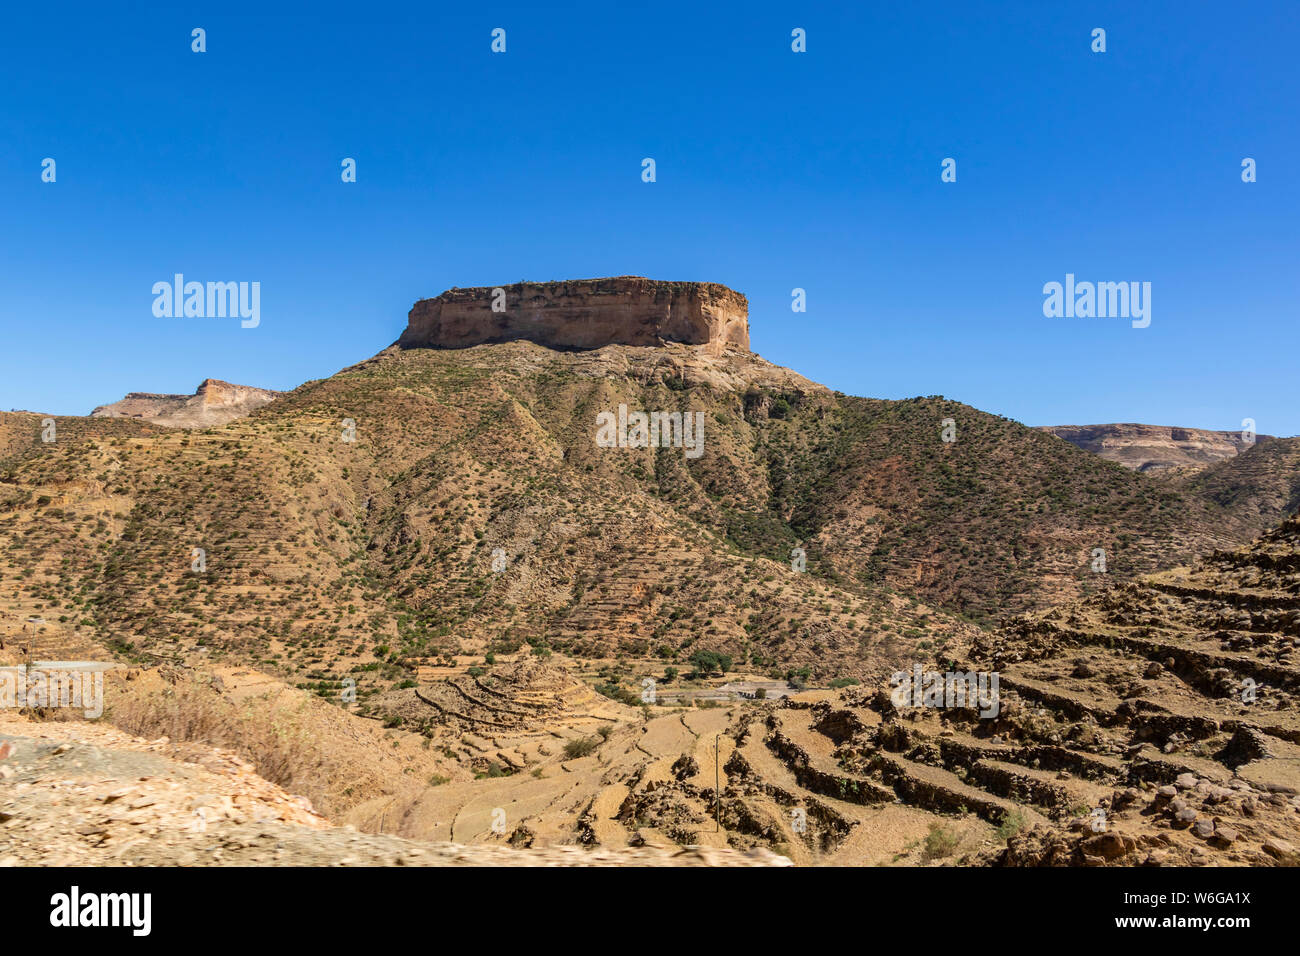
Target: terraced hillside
(615,776)
(1154,724)
(1192,678)
(849,780)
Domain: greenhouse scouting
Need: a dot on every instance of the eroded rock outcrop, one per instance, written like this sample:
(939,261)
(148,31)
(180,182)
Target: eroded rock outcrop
(583,314)
(213,403)
(1154,447)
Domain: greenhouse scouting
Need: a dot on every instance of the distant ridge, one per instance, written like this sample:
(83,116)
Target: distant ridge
(1154,448)
(214,402)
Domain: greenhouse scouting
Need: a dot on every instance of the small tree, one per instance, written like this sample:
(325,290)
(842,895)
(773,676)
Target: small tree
(706,662)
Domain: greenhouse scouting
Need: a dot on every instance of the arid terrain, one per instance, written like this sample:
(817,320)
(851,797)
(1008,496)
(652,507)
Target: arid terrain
(417,612)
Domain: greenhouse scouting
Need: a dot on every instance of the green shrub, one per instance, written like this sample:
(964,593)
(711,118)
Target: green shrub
(940,842)
(582,747)
(1013,821)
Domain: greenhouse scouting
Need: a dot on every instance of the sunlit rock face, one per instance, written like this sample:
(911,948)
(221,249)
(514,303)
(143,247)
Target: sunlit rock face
(583,314)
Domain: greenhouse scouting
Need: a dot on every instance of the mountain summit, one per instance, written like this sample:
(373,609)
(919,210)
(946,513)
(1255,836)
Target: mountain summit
(583,314)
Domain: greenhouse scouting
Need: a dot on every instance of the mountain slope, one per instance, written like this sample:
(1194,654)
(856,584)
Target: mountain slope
(434,501)
(323,554)
(1261,486)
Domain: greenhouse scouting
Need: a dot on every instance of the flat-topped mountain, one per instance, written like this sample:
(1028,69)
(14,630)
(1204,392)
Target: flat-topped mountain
(583,314)
(213,403)
(1154,447)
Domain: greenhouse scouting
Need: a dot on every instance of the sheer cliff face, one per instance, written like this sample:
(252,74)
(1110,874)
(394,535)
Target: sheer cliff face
(583,314)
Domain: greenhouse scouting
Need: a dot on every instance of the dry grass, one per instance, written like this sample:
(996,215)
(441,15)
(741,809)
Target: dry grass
(940,842)
(280,750)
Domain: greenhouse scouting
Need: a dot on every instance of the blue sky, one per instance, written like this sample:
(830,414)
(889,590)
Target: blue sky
(775,170)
